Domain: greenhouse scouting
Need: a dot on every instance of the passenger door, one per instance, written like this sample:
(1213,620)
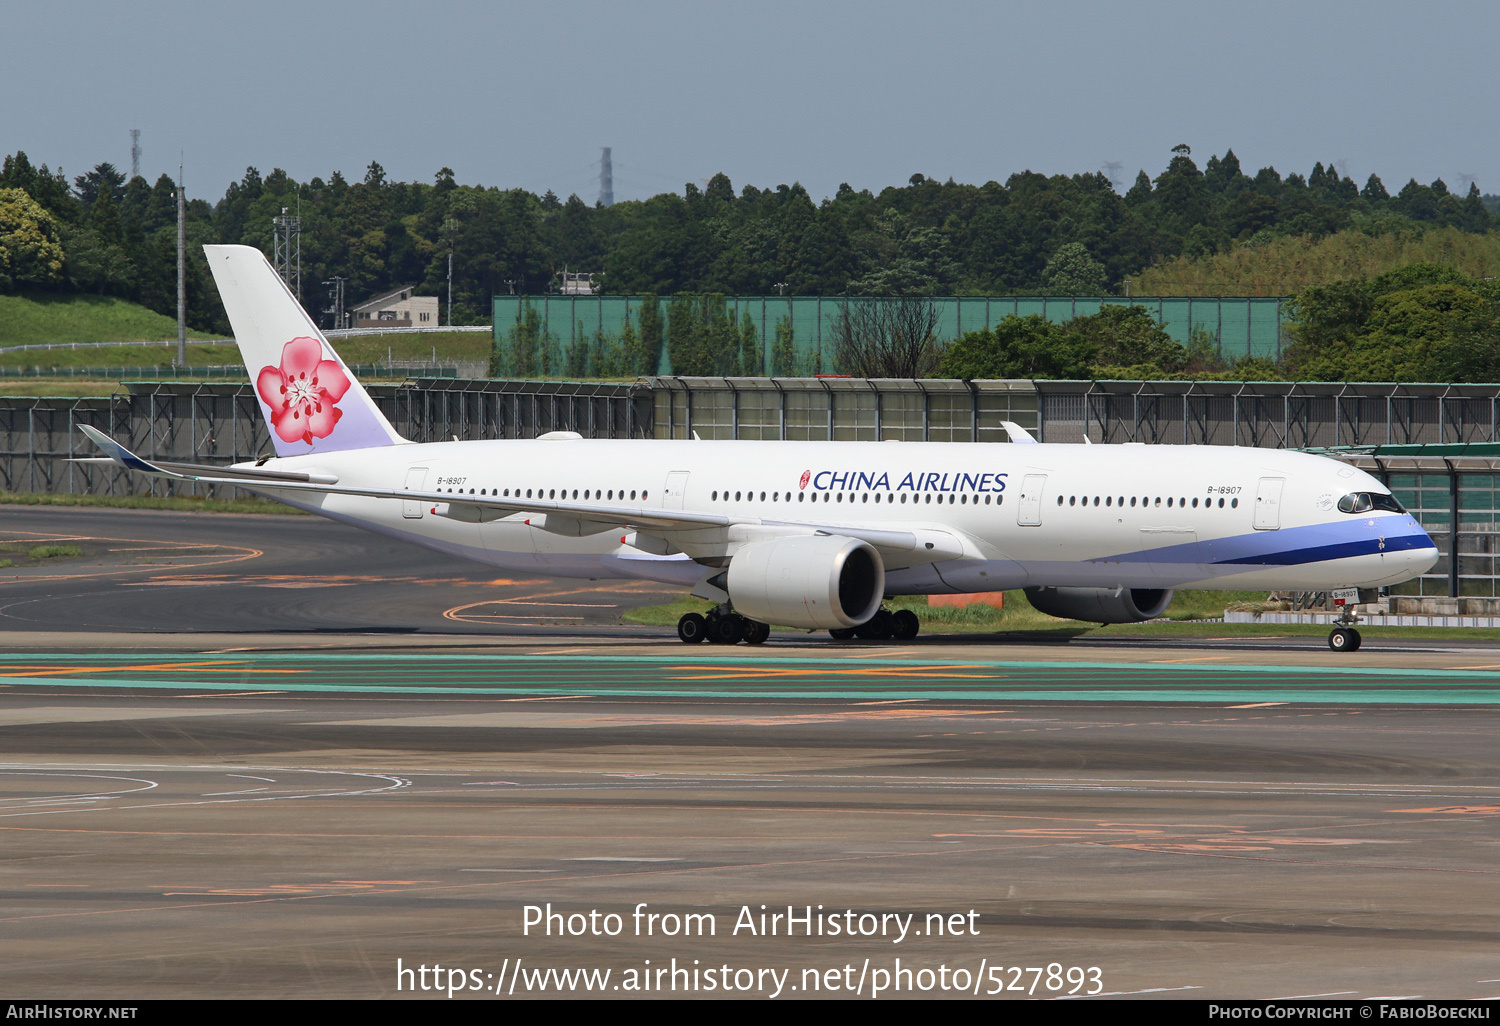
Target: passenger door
(1268,504)
(1029,512)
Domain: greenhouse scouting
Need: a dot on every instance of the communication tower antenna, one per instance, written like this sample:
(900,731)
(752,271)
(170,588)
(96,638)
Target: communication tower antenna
(1464,181)
(287,236)
(1112,169)
(135,153)
(606,180)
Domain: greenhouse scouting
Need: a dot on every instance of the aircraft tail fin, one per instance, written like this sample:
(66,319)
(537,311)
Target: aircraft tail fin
(309,397)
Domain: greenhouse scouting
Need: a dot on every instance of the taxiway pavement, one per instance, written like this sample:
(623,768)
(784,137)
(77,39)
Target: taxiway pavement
(226,774)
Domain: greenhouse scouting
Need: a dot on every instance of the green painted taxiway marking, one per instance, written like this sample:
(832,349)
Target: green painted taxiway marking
(691,675)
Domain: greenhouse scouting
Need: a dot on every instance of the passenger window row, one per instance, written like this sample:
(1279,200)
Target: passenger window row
(877,497)
(1145,501)
(552,493)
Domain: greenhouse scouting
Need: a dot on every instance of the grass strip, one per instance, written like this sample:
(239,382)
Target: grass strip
(177,503)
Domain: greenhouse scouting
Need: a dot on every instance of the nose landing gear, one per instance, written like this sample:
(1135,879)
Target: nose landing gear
(1343,637)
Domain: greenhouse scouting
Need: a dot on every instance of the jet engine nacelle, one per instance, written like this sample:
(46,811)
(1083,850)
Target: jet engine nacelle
(819,582)
(1101,605)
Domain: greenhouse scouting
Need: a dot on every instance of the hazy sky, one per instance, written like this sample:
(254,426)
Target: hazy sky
(525,94)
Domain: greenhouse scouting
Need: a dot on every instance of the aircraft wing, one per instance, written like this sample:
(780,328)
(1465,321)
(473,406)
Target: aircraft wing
(591,517)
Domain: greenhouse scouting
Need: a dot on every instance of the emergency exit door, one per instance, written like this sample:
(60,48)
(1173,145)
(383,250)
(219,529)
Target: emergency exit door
(411,509)
(676,489)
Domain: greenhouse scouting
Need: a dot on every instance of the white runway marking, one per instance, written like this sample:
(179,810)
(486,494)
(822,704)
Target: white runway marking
(612,858)
(1123,993)
(254,795)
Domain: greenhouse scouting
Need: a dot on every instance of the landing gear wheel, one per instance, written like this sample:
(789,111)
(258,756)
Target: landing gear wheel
(876,628)
(842,633)
(756,632)
(692,628)
(1344,639)
(904,625)
(726,630)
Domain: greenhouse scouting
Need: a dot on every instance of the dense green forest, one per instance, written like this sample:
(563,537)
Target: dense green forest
(1034,234)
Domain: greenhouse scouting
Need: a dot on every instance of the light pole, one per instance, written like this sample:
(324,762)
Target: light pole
(181,272)
(336,293)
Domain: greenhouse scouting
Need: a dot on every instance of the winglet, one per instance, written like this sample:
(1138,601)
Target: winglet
(1017,433)
(117,452)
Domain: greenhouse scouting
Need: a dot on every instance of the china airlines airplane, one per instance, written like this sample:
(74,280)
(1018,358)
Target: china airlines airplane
(812,535)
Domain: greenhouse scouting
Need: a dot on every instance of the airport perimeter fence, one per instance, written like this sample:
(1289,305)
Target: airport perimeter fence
(230,371)
(1241,327)
(220,422)
(1452,492)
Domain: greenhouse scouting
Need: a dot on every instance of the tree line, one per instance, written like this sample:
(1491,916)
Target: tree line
(1419,322)
(1033,234)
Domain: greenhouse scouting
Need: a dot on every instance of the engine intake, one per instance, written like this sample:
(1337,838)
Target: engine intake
(819,582)
(1101,605)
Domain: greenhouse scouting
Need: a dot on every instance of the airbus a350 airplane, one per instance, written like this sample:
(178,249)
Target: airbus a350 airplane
(806,534)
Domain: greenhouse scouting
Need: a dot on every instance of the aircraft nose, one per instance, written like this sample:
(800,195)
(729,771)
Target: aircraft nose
(1421,559)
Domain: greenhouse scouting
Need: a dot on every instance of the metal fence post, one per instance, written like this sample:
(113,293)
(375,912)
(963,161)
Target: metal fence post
(1452,529)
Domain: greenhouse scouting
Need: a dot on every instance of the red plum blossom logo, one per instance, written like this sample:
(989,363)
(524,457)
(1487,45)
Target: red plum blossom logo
(303,393)
(806,476)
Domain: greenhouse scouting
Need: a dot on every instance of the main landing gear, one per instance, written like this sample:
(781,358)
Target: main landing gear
(1344,638)
(902,625)
(722,627)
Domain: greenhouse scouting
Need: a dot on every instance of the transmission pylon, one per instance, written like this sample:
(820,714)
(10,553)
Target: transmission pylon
(287,235)
(606,180)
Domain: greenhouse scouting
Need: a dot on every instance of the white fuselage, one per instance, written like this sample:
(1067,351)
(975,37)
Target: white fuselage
(1102,516)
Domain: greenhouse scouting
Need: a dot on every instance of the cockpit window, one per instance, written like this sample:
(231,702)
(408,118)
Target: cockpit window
(1364,502)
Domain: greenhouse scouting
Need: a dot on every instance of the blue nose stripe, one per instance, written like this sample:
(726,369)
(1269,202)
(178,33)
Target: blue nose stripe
(1294,545)
(1338,550)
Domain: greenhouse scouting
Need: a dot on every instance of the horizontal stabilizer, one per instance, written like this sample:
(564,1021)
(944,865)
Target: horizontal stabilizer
(123,457)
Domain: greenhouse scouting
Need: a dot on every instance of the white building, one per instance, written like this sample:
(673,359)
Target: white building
(397,308)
